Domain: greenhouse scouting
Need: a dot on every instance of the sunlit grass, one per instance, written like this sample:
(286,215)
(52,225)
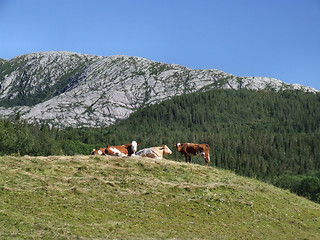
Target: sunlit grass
(90,197)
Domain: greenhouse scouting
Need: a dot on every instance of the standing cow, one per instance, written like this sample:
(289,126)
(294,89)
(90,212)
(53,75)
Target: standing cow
(194,149)
(154,152)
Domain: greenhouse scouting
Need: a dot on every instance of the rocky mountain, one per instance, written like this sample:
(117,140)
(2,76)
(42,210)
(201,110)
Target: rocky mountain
(70,89)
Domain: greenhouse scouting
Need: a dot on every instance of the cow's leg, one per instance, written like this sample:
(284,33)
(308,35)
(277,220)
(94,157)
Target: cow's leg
(189,159)
(207,158)
(186,157)
(207,162)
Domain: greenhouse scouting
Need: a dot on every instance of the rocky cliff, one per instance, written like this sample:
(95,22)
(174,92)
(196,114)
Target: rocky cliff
(71,89)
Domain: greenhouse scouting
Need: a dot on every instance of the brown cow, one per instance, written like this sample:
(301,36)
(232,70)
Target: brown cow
(122,150)
(100,151)
(194,149)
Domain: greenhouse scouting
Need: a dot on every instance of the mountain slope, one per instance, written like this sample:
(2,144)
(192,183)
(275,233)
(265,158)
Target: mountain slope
(71,89)
(91,197)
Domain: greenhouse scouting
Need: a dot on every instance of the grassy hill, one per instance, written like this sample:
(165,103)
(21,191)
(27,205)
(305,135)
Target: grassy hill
(271,136)
(90,197)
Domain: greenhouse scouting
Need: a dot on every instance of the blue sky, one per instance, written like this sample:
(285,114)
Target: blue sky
(268,38)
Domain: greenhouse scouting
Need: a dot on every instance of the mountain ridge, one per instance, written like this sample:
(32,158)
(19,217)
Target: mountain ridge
(68,89)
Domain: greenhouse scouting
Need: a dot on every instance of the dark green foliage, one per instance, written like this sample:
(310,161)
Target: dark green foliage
(272,136)
(308,186)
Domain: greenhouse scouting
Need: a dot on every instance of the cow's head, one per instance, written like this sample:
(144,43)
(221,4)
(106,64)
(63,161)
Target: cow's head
(179,146)
(166,150)
(134,146)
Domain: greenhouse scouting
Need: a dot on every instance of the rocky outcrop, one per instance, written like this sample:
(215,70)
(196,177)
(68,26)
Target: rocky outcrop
(70,89)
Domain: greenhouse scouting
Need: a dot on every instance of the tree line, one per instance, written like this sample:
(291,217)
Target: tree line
(272,136)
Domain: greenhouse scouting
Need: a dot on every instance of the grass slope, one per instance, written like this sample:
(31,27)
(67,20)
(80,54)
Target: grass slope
(87,197)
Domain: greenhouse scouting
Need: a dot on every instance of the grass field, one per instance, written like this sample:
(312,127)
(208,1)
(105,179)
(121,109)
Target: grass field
(90,197)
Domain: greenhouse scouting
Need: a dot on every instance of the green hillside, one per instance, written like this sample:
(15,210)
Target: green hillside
(88,197)
(272,136)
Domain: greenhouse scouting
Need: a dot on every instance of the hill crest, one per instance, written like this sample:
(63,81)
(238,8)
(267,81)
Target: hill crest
(95,197)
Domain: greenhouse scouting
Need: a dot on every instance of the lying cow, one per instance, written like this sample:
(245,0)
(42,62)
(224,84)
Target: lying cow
(154,152)
(194,149)
(100,151)
(123,150)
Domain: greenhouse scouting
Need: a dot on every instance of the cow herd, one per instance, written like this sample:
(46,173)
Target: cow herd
(130,149)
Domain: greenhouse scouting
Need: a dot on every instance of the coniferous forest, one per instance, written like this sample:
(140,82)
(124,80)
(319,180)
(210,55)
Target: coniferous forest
(271,136)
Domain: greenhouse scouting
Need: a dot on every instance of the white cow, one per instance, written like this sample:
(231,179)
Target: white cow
(154,152)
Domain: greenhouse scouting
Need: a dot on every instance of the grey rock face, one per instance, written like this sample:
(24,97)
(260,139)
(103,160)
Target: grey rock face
(70,89)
